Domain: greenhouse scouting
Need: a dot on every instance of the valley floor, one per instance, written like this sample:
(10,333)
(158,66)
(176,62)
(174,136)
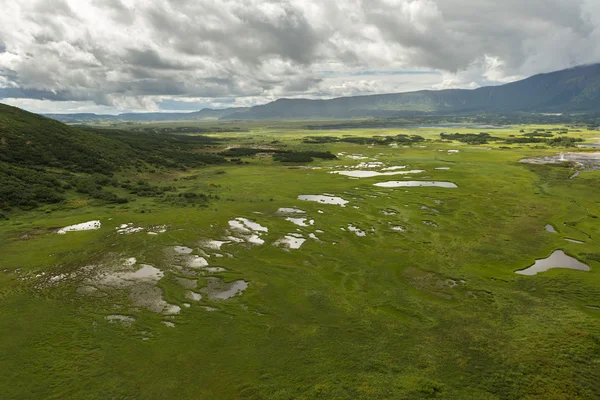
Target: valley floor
(373,292)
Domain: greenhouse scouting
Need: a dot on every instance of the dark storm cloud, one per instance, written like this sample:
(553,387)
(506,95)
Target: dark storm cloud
(140,53)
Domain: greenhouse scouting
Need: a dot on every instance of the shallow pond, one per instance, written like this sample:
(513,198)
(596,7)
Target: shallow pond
(575,175)
(121,279)
(182,250)
(217,289)
(370,174)
(85,226)
(558,259)
(375,164)
(286,210)
(550,228)
(246,225)
(394,184)
(300,221)
(357,231)
(323,199)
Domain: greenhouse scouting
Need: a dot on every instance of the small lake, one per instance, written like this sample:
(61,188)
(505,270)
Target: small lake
(394,184)
(217,289)
(550,228)
(558,259)
(370,174)
(246,225)
(324,199)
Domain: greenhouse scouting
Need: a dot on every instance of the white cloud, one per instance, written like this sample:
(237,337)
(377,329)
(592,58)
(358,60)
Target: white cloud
(118,55)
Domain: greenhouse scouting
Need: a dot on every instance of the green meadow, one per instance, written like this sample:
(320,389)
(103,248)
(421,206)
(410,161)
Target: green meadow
(401,293)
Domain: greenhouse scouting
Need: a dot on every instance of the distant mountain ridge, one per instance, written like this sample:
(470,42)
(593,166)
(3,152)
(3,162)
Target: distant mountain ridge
(571,90)
(204,114)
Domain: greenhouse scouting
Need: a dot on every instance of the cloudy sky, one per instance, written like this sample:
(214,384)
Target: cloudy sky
(111,56)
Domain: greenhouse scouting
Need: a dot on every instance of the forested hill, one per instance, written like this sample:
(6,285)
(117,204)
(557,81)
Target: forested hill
(30,140)
(42,159)
(571,90)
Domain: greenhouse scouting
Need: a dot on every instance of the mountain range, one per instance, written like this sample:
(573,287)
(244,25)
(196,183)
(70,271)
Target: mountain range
(571,90)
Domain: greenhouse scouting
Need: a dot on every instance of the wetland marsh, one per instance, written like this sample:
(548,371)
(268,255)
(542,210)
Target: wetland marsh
(297,281)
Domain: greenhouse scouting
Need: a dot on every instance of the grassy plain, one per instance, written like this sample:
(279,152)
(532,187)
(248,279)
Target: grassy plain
(430,312)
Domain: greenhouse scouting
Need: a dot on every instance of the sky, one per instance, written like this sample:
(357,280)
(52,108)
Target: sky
(112,56)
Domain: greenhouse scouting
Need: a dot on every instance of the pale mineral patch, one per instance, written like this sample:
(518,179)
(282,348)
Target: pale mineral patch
(217,289)
(300,221)
(374,164)
(558,259)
